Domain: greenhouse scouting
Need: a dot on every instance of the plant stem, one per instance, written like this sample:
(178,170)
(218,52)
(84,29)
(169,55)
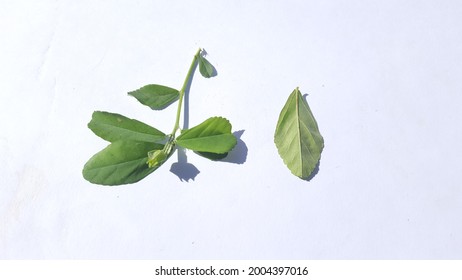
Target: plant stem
(187,81)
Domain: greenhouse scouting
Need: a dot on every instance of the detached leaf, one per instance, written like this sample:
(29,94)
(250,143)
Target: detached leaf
(206,68)
(156,96)
(114,127)
(122,162)
(212,136)
(297,136)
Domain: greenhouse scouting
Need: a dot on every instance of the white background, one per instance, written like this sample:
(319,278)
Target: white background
(383,79)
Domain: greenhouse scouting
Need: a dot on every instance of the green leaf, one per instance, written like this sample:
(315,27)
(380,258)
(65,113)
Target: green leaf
(213,136)
(114,127)
(156,96)
(122,162)
(206,68)
(297,136)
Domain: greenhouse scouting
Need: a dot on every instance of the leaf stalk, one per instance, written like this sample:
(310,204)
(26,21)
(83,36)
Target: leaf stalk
(183,90)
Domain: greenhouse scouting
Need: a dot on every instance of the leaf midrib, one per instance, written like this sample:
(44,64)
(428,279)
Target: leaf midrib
(131,131)
(297,109)
(203,137)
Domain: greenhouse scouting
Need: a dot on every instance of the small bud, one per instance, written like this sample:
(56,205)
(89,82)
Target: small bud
(156,158)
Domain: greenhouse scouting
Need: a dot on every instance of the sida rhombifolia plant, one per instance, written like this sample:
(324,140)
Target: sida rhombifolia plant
(137,149)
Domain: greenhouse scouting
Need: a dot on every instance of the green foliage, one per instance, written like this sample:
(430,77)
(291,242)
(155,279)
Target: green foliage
(156,96)
(297,136)
(137,149)
(212,156)
(113,127)
(212,136)
(156,158)
(122,162)
(207,70)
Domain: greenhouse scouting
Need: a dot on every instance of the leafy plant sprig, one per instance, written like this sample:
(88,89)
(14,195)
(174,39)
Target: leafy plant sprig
(137,149)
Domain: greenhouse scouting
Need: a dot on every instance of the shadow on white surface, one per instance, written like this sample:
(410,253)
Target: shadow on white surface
(183,169)
(237,155)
